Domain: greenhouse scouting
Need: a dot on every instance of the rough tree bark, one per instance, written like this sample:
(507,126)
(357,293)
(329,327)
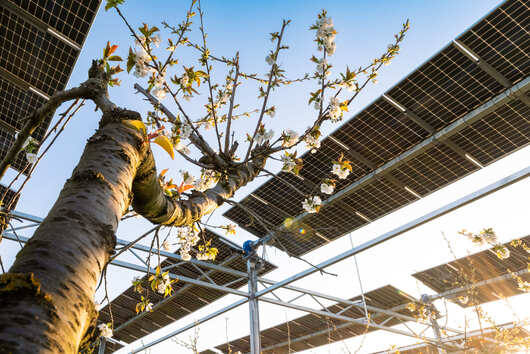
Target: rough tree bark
(46,298)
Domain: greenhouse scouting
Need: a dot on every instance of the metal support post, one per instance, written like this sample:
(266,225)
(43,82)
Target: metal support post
(433,315)
(253,266)
(102,345)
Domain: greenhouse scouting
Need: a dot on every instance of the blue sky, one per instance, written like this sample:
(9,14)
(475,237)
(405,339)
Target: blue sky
(364,30)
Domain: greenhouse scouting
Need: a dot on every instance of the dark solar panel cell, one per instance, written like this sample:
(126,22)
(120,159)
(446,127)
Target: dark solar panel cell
(283,197)
(502,39)
(499,133)
(68,17)
(29,54)
(17,104)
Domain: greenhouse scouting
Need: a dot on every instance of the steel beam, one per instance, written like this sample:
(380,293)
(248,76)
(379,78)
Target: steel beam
(358,321)
(505,182)
(182,278)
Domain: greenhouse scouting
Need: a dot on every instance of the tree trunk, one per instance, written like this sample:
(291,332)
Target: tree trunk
(46,299)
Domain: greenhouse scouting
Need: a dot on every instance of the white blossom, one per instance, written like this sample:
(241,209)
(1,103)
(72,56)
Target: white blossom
(501,251)
(322,67)
(335,112)
(349,85)
(326,33)
(269,59)
(184,80)
(327,188)
(289,163)
(105,330)
(182,148)
(290,137)
(149,307)
(312,204)
(340,171)
(31,157)
(98,306)
(208,179)
(185,256)
(312,143)
(159,93)
(230,229)
(187,178)
(185,130)
(161,288)
(263,135)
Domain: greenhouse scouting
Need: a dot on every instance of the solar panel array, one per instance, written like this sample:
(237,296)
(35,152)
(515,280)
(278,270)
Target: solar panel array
(290,337)
(446,88)
(40,41)
(186,298)
(478,268)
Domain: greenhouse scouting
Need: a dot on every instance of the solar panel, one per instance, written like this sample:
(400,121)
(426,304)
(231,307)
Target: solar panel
(478,268)
(40,41)
(473,340)
(186,298)
(314,330)
(446,88)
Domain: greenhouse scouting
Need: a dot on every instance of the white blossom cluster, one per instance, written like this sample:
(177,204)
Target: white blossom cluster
(141,68)
(326,33)
(205,256)
(230,229)
(269,59)
(208,179)
(188,237)
(327,187)
(349,85)
(323,67)
(161,288)
(289,162)
(263,135)
(289,137)
(312,204)
(340,171)
(312,143)
(105,330)
(159,91)
(30,144)
(335,112)
(501,251)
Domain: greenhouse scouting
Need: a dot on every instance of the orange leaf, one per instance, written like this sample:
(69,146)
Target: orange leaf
(164,171)
(184,187)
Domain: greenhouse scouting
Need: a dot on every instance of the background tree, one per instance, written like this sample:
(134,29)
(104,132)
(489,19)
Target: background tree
(47,295)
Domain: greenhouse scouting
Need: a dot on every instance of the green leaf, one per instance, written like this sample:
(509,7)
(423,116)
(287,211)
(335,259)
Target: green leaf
(115,58)
(131,60)
(113,3)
